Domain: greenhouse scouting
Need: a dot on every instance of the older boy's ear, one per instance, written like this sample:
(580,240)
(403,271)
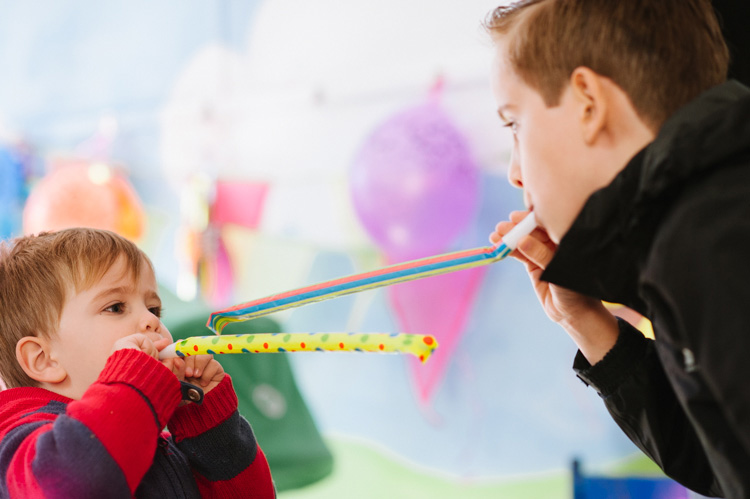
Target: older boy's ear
(591,100)
(33,354)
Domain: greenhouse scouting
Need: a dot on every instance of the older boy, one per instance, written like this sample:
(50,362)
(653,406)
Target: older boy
(87,397)
(634,153)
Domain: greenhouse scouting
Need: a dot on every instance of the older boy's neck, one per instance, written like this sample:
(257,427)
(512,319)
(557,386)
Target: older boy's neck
(629,133)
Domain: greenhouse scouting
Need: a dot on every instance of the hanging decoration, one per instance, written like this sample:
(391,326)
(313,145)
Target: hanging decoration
(207,206)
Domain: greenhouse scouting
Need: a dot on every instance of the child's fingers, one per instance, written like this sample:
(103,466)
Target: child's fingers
(177,366)
(195,365)
(501,229)
(189,366)
(137,341)
(504,227)
(538,252)
(212,370)
(160,343)
(517,216)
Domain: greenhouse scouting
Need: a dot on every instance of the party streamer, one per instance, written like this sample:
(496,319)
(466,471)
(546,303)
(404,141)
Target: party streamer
(419,345)
(401,272)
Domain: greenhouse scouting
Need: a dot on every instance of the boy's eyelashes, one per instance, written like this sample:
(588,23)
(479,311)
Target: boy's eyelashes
(115,308)
(119,307)
(512,125)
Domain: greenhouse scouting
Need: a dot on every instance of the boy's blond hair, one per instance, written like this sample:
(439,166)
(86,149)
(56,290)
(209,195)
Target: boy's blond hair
(39,273)
(662,53)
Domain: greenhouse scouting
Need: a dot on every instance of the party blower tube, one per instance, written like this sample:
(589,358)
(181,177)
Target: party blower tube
(401,272)
(418,345)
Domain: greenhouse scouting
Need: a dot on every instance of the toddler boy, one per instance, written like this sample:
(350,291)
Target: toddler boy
(87,397)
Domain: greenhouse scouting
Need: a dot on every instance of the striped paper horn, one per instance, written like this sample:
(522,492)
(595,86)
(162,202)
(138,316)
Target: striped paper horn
(401,272)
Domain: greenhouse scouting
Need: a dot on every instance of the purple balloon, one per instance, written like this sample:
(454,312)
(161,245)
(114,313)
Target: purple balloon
(414,183)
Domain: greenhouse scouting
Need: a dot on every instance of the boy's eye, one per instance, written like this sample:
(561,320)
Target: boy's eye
(115,308)
(156,311)
(513,126)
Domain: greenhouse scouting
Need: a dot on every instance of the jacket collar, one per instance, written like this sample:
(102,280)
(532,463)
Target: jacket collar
(606,246)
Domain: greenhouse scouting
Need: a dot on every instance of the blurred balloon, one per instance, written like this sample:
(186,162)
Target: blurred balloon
(415,187)
(414,183)
(12,188)
(80,193)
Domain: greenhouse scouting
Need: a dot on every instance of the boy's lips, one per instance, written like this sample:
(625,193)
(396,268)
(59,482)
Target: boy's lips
(527,200)
(539,223)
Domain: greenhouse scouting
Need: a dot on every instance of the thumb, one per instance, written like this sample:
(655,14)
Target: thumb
(161,343)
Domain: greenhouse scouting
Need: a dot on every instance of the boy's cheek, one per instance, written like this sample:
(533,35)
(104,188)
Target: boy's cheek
(165,332)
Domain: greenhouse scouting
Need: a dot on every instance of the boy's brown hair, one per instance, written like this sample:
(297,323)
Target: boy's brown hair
(39,273)
(662,53)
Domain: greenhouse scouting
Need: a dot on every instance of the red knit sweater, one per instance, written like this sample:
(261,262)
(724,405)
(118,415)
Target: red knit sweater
(110,443)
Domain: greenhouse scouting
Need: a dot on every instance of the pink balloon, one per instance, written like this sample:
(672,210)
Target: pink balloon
(414,183)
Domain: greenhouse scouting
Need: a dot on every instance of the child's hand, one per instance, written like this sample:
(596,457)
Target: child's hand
(203,370)
(142,342)
(176,365)
(586,320)
(536,251)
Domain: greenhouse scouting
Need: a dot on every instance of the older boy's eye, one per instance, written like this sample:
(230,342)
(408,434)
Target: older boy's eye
(513,126)
(115,308)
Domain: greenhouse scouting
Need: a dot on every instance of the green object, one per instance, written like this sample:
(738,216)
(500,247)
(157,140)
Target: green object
(365,471)
(268,397)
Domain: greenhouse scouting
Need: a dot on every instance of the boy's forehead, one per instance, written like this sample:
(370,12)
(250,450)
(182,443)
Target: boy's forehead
(504,79)
(124,270)
(122,273)
(502,53)
(121,280)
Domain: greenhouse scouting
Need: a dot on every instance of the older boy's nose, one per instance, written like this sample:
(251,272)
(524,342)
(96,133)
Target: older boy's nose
(514,171)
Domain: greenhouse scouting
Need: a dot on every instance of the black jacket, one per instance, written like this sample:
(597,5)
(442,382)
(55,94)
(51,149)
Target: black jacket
(670,238)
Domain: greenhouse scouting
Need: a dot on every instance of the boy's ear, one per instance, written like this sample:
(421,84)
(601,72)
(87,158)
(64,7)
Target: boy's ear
(33,354)
(592,102)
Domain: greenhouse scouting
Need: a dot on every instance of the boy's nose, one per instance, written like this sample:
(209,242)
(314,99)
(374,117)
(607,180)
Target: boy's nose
(149,323)
(514,171)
